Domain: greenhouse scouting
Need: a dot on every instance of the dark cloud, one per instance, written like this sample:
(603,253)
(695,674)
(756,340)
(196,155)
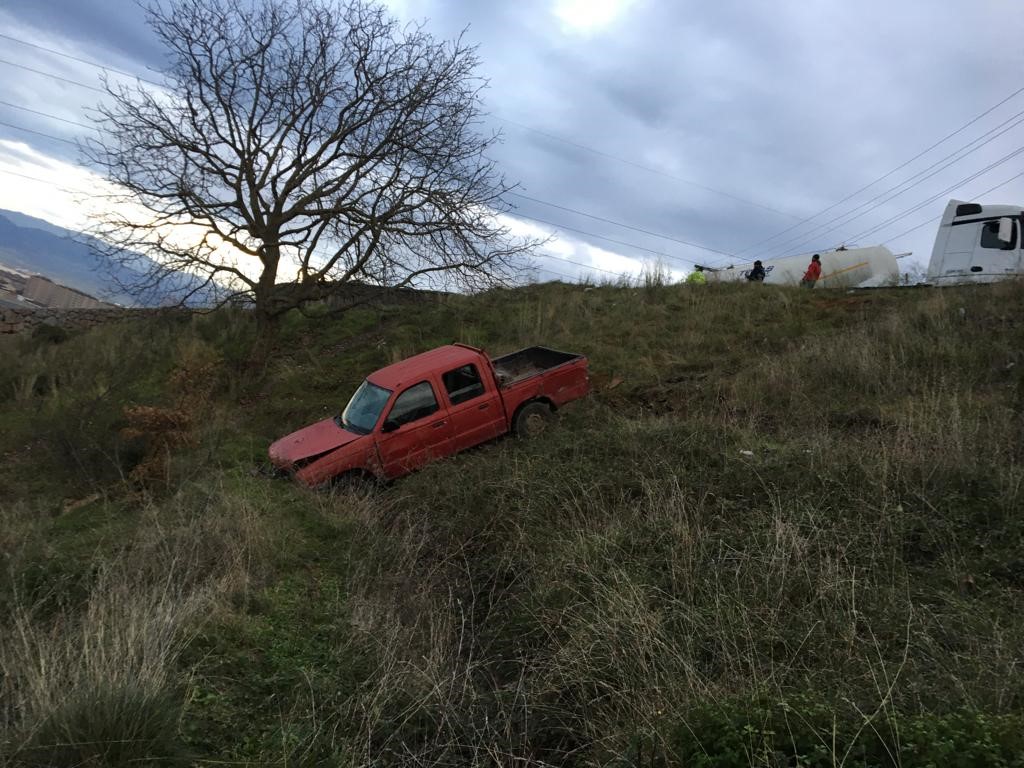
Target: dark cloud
(113,31)
(791,105)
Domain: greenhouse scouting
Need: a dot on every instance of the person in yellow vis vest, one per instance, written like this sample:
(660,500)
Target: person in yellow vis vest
(697,277)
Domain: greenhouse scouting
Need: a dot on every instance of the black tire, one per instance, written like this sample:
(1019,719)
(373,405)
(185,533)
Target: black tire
(532,420)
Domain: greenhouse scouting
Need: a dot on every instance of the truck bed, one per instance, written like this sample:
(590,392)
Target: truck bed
(532,361)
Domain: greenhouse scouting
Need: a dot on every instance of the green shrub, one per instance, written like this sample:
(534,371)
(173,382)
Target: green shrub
(811,734)
(50,334)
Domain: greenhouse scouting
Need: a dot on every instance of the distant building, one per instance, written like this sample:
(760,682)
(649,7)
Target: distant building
(47,293)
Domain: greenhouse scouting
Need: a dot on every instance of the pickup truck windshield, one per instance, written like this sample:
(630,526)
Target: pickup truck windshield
(363,410)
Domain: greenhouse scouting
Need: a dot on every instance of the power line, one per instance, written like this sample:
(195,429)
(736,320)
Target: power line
(582,213)
(516,194)
(82,61)
(503,119)
(30,178)
(43,181)
(45,114)
(50,74)
(948,189)
(38,133)
(541,221)
(559,274)
(604,237)
(543,255)
(945,191)
(917,178)
(642,167)
(944,139)
(565,274)
(913,229)
(936,218)
(580,264)
(618,223)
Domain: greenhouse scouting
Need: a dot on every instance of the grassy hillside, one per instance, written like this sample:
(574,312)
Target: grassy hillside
(785,530)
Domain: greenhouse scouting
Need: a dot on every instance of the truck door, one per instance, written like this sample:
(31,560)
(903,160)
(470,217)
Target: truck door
(415,431)
(474,408)
(998,251)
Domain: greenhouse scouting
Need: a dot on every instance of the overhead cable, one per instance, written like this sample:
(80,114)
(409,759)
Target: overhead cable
(900,167)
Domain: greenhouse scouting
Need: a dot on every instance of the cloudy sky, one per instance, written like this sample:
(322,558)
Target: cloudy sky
(716,124)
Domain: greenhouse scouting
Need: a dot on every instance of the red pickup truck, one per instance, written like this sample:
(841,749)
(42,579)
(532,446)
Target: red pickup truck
(431,406)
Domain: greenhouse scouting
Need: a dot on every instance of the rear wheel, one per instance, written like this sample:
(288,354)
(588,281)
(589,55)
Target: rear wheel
(533,420)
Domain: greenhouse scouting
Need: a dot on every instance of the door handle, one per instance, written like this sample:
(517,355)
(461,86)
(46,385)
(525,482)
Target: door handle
(437,424)
(483,407)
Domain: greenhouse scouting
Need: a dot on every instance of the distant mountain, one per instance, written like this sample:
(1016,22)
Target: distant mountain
(36,246)
(31,222)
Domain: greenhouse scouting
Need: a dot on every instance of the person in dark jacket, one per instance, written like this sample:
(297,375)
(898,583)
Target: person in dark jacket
(756,275)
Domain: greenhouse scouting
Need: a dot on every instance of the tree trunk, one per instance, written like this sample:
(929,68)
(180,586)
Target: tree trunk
(266,340)
(267,315)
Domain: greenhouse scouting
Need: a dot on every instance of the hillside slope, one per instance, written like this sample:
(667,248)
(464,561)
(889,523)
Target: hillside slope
(784,530)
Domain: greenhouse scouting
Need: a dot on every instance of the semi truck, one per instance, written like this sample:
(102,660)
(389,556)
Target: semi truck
(977,244)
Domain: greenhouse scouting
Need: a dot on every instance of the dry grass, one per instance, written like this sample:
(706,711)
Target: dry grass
(96,682)
(795,518)
(96,685)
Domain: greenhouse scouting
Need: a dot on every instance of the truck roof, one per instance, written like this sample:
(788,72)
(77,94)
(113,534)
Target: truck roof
(987,210)
(417,367)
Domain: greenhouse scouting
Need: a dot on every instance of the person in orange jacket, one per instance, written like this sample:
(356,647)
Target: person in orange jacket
(813,272)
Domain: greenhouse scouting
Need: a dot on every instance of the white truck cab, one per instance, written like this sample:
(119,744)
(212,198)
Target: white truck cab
(978,244)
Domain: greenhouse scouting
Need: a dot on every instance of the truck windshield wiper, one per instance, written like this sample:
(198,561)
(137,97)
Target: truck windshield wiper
(340,421)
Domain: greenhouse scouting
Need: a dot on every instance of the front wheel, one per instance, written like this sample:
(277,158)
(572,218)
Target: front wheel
(533,420)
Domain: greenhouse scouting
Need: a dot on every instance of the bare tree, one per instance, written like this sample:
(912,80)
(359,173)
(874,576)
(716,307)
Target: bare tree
(299,145)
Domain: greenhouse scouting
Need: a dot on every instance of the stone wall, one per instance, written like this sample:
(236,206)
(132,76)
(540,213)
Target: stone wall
(22,319)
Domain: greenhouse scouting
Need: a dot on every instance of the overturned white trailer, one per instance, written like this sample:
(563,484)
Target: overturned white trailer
(843,268)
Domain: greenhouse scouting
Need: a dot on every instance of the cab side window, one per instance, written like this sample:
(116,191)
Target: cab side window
(463,384)
(416,402)
(990,237)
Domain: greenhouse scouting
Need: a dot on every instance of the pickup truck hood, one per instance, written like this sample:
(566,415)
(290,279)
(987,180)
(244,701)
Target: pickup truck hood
(309,441)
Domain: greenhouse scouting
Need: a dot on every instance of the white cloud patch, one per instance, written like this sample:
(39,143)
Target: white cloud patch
(70,196)
(39,185)
(588,17)
(570,258)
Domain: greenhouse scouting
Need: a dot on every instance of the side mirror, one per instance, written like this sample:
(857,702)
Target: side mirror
(390,425)
(1005,230)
